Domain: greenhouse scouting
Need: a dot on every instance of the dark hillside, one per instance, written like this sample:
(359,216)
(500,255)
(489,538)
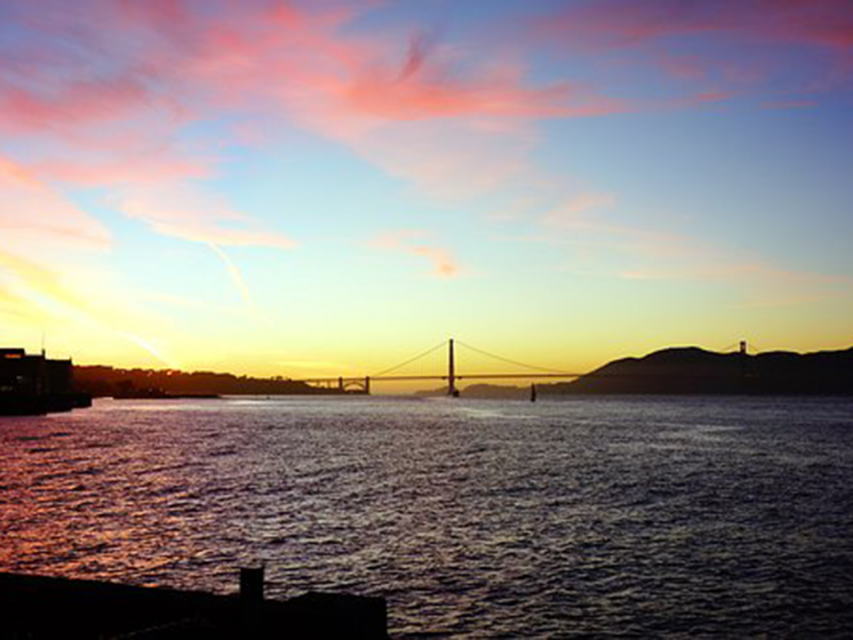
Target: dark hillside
(688,370)
(107,381)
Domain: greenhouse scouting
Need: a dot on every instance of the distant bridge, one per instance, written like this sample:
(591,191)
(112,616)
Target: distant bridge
(362,383)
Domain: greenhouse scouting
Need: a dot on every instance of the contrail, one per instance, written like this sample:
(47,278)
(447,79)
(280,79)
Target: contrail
(234,272)
(150,348)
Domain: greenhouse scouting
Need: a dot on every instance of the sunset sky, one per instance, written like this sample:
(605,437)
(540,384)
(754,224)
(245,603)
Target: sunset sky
(317,188)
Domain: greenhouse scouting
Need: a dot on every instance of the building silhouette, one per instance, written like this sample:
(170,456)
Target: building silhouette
(34,384)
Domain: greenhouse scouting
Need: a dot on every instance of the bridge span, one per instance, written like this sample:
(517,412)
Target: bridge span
(362,383)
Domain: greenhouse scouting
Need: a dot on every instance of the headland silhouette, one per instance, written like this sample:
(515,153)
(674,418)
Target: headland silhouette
(104,381)
(692,370)
(33,384)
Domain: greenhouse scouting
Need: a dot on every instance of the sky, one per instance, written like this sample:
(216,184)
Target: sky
(314,188)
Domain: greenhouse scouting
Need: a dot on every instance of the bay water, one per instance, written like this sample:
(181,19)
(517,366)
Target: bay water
(635,516)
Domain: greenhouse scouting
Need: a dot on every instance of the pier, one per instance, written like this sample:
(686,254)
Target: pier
(37,607)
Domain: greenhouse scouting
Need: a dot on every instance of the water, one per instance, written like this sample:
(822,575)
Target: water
(632,516)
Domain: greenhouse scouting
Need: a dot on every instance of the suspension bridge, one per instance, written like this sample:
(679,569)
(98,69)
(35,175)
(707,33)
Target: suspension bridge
(452,376)
(361,384)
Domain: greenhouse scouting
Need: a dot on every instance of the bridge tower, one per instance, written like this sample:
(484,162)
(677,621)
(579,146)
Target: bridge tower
(451,371)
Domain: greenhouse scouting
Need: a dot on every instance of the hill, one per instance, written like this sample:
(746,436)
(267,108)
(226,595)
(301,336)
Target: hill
(687,370)
(107,381)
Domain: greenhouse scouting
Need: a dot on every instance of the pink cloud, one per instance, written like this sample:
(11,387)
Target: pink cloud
(109,115)
(139,72)
(157,167)
(191,214)
(423,85)
(73,103)
(790,104)
(50,268)
(827,23)
(622,23)
(573,211)
(625,23)
(449,122)
(735,45)
(34,216)
(413,113)
(443,263)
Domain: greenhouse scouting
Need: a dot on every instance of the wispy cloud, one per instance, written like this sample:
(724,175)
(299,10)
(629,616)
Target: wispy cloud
(33,215)
(608,241)
(122,97)
(236,275)
(443,263)
(189,213)
(106,93)
(152,349)
(423,85)
(624,23)
(735,47)
(41,296)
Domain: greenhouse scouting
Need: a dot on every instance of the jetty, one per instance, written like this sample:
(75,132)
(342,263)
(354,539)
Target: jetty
(38,607)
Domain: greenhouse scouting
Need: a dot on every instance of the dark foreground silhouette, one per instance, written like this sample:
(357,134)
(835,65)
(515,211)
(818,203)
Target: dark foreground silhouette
(36,607)
(32,384)
(167,383)
(690,370)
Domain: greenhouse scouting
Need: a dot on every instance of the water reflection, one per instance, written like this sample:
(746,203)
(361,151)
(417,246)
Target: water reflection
(650,516)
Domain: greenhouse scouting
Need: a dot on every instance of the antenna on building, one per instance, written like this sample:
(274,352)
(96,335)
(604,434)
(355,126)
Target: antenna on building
(42,343)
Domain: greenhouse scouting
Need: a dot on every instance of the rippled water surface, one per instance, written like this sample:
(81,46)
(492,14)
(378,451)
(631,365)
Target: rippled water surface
(643,516)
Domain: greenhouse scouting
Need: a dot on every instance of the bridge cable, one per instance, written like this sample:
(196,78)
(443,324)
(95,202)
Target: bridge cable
(514,362)
(410,360)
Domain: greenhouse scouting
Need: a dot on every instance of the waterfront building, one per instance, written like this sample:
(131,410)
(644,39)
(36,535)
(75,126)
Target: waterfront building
(36,384)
